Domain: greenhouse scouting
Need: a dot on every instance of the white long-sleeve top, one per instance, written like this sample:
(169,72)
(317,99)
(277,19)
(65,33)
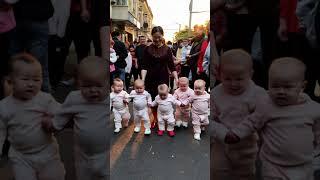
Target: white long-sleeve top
(90,122)
(232,110)
(116,100)
(140,101)
(21,121)
(200,103)
(288,132)
(165,106)
(183,97)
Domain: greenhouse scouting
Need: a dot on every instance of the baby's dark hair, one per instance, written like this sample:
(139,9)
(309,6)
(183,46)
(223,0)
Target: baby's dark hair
(21,57)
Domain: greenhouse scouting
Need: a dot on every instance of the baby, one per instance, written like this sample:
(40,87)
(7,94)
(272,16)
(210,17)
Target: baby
(182,94)
(288,121)
(87,108)
(200,101)
(165,103)
(119,102)
(141,99)
(34,152)
(233,100)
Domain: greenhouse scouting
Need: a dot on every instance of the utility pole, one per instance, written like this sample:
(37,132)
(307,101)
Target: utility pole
(190,17)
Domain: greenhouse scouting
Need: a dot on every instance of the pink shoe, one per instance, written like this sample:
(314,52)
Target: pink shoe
(160,133)
(171,133)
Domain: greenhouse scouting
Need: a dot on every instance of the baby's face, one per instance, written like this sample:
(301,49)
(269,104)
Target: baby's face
(117,87)
(93,87)
(183,85)
(235,79)
(163,95)
(199,89)
(284,90)
(26,80)
(139,88)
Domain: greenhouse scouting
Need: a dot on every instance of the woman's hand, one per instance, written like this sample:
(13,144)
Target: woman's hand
(283,30)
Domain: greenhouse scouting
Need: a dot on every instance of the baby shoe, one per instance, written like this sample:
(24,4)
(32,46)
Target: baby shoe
(137,129)
(178,123)
(147,131)
(171,133)
(160,133)
(117,130)
(197,136)
(185,124)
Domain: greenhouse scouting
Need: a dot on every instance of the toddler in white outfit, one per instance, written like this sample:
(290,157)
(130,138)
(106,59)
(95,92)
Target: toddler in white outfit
(34,152)
(87,108)
(165,103)
(119,101)
(141,99)
(288,122)
(200,102)
(182,94)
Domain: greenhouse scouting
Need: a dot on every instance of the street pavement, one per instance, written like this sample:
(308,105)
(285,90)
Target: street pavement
(135,156)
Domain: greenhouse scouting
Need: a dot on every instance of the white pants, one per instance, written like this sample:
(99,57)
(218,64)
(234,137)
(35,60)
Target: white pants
(142,114)
(166,118)
(93,167)
(36,166)
(182,114)
(198,121)
(119,115)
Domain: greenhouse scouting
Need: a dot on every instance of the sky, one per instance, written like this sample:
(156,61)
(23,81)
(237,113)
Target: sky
(170,13)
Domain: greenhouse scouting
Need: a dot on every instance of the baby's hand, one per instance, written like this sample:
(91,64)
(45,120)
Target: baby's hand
(46,122)
(231,138)
(125,101)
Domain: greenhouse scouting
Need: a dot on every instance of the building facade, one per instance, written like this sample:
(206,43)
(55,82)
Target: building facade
(132,18)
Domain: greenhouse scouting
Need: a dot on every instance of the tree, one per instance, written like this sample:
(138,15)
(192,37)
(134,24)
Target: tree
(182,34)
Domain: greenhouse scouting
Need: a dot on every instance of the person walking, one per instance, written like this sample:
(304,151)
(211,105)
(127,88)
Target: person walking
(156,64)
(121,51)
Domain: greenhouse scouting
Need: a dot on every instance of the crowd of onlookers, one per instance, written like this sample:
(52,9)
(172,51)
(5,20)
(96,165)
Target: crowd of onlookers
(46,29)
(269,29)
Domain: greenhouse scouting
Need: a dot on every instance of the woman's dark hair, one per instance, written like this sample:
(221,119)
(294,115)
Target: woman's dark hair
(131,46)
(157,29)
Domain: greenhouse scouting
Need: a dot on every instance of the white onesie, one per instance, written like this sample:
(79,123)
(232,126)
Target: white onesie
(120,109)
(140,108)
(90,135)
(165,111)
(200,111)
(34,153)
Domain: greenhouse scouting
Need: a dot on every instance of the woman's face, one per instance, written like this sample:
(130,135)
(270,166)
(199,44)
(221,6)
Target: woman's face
(132,52)
(157,38)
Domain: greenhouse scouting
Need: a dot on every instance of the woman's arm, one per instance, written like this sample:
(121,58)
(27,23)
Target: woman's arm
(143,74)
(144,63)
(85,15)
(104,31)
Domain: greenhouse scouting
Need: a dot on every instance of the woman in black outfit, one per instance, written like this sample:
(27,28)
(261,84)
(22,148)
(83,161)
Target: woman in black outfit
(156,64)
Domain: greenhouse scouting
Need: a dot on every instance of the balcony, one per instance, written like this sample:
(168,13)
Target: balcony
(121,13)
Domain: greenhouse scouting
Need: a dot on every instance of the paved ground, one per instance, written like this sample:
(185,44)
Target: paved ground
(140,157)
